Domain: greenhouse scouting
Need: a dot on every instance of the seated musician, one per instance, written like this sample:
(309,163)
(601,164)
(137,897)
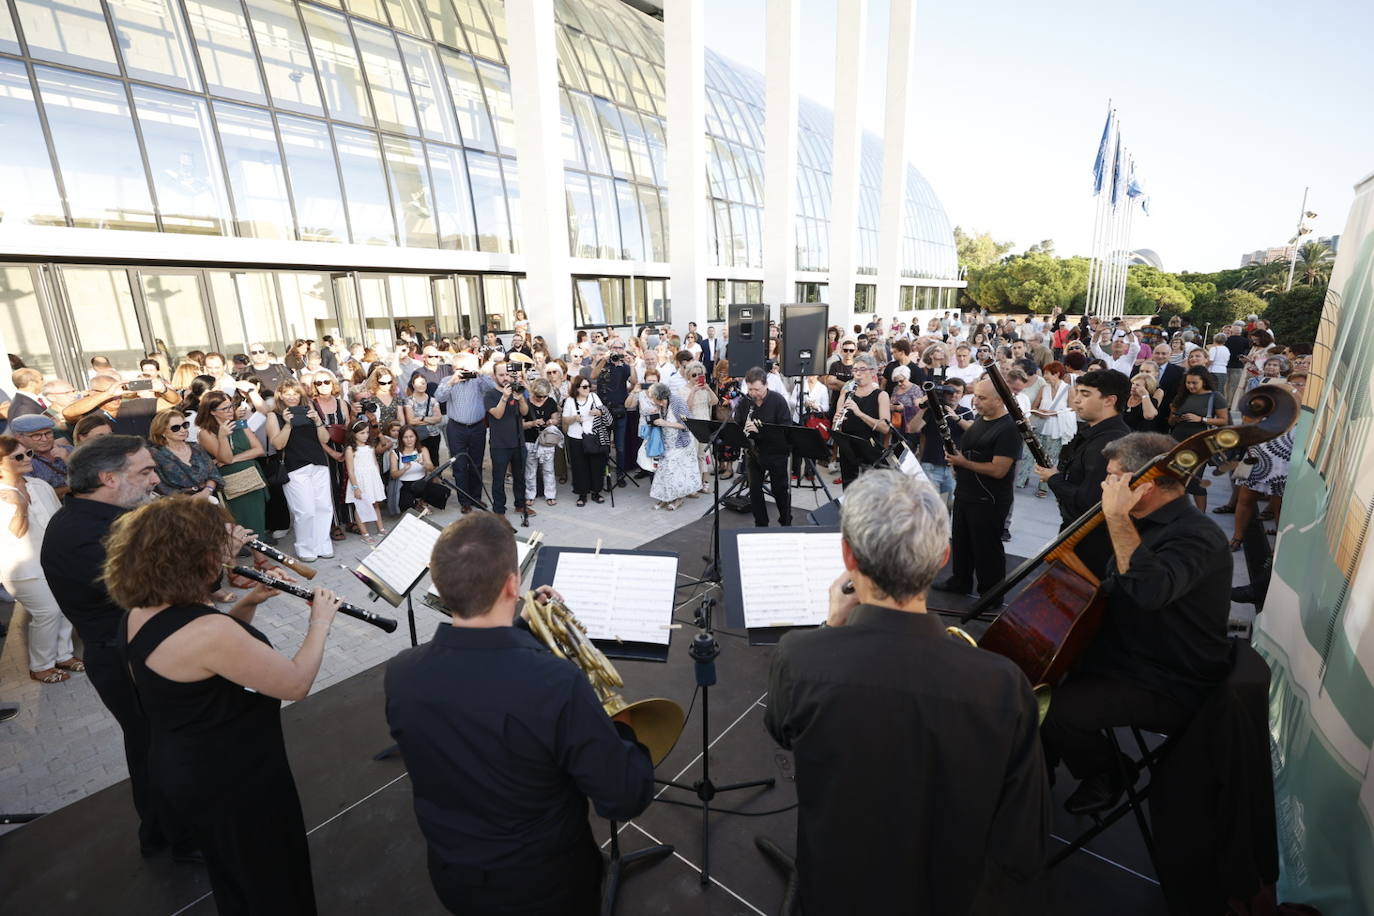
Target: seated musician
(1163,645)
(920,782)
(505,744)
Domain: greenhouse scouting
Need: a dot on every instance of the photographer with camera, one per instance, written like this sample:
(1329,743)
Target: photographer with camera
(462,394)
(614,375)
(934,460)
(507,408)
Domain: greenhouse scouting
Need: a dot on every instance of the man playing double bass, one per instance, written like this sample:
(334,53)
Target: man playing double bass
(1163,645)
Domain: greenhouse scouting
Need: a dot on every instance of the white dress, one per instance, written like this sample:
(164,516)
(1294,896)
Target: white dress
(678,474)
(367,477)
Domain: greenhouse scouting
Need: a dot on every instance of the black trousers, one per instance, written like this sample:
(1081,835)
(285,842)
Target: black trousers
(588,470)
(110,678)
(501,458)
(856,456)
(568,886)
(976,543)
(466,444)
(1259,558)
(775,466)
(1085,704)
(431,445)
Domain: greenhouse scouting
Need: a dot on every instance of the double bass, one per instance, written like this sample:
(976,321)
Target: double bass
(1048,625)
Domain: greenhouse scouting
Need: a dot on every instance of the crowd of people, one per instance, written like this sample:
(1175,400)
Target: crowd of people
(336,439)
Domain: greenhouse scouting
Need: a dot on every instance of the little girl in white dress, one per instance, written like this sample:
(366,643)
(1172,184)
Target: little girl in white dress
(365,490)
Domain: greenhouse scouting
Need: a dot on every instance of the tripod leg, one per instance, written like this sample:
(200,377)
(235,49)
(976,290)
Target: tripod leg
(617,865)
(769,782)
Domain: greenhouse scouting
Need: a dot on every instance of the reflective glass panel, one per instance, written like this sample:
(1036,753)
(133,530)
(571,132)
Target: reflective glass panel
(571,145)
(639,147)
(246,307)
(452,200)
(176,312)
(614,133)
(28,193)
(411,305)
(510,170)
(489,202)
(305,302)
(153,40)
(102,309)
(496,12)
(314,180)
(226,50)
(631,227)
(183,161)
(345,93)
(655,223)
(9,37)
(468,102)
(97,151)
(285,55)
(475,23)
(591,67)
(589,127)
(21,319)
(406,15)
(376,315)
(387,79)
(499,301)
(68,32)
(372,9)
(569,67)
(658,150)
(496,82)
(581,217)
(443,23)
(607,218)
(427,83)
(256,177)
(369,205)
(590,309)
(410,197)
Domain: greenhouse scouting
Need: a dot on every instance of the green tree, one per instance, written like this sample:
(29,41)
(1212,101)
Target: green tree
(980,250)
(1295,315)
(1044,246)
(1149,290)
(1031,282)
(1314,264)
(1225,307)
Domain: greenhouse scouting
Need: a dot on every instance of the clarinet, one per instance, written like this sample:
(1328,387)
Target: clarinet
(273,553)
(1013,408)
(941,421)
(352,610)
(840,417)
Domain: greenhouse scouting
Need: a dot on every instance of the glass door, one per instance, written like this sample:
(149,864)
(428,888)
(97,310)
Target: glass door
(104,319)
(412,307)
(247,310)
(21,319)
(377,329)
(178,321)
(346,298)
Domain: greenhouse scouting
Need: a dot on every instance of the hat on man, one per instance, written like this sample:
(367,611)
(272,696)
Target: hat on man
(31,423)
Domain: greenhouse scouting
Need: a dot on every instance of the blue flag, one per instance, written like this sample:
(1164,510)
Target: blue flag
(1134,189)
(1118,174)
(1100,164)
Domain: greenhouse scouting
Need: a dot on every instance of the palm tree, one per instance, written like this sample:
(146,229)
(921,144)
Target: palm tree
(1314,264)
(1267,280)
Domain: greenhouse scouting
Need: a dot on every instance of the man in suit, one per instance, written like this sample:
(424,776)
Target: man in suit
(1170,374)
(968,833)
(28,384)
(711,350)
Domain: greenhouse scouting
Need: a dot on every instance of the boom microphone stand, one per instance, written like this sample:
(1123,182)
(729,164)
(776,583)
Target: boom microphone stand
(704,651)
(709,432)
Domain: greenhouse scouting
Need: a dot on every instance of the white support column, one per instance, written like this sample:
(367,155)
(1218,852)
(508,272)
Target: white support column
(533,58)
(780,155)
(901,32)
(684,30)
(851,28)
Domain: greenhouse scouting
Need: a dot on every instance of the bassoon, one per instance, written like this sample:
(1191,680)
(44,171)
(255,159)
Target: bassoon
(1008,398)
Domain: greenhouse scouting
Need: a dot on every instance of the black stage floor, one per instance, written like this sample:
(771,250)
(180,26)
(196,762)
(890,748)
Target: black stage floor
(368,854)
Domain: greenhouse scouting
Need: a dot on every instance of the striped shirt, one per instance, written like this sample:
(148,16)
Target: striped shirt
(463,398)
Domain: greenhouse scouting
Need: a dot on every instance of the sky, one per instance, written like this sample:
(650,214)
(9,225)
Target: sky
(1230,108)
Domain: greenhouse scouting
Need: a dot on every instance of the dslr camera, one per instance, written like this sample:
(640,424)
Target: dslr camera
(370,405)
(617,357)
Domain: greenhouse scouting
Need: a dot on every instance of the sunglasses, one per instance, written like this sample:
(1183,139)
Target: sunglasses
(175,427)
(21,456)
(258,352)
(849,350)
(324,384)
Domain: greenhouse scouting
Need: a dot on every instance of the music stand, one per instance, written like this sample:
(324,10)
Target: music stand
(709,432)
(807,444)
(733,589)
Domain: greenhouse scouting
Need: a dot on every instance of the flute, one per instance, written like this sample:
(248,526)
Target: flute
(352,610)
(273,553)
(937,410)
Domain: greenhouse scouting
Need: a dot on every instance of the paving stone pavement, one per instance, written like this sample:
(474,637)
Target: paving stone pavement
(64,745)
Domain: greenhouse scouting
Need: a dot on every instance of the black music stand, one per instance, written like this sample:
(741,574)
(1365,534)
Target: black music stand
(732,592)
(808,445)
(710,432)
(437,475)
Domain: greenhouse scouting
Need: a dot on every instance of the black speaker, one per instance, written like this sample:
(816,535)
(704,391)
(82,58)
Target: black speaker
(748,346)
(803,339)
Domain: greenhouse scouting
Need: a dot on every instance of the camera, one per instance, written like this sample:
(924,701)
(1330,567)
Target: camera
(370,405)
(517,384)
(617,358)
(467,375)
(140,384)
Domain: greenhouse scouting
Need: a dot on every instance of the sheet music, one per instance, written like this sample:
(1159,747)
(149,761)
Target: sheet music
(616,596)
(522,553)
(785,578)
(403,556)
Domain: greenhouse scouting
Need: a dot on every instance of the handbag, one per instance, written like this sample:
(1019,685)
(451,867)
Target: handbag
(243,481)
(275,470)
(549,435)
(337,431)
(820,422)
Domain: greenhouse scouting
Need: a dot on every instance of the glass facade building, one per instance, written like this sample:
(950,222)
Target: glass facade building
(387,124)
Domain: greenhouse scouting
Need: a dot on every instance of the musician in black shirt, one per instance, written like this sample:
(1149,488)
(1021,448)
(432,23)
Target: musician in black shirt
(884,674)
(767,456)
(982,494)
(505,744)
(1163,646)
(861,419)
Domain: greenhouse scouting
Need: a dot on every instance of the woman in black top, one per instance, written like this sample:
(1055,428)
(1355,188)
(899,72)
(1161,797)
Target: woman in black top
(296,429)
(1196,407)
(211,687)
(861,419)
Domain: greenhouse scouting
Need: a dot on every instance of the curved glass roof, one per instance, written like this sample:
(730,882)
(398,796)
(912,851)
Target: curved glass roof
(389,122)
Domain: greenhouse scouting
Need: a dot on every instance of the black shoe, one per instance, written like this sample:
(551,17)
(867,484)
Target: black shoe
(640,474)
(1006,535)
(8,712)
(1101,792)
(1244,594)
(597,498)
(949,585)
(620,481)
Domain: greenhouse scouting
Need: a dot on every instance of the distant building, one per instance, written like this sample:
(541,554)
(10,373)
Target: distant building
(1331,241)
(1267,255)
(1147,257)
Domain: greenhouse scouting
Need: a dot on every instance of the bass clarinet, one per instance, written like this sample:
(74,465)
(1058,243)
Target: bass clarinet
(937,410)
(352,610)
(1027,434)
